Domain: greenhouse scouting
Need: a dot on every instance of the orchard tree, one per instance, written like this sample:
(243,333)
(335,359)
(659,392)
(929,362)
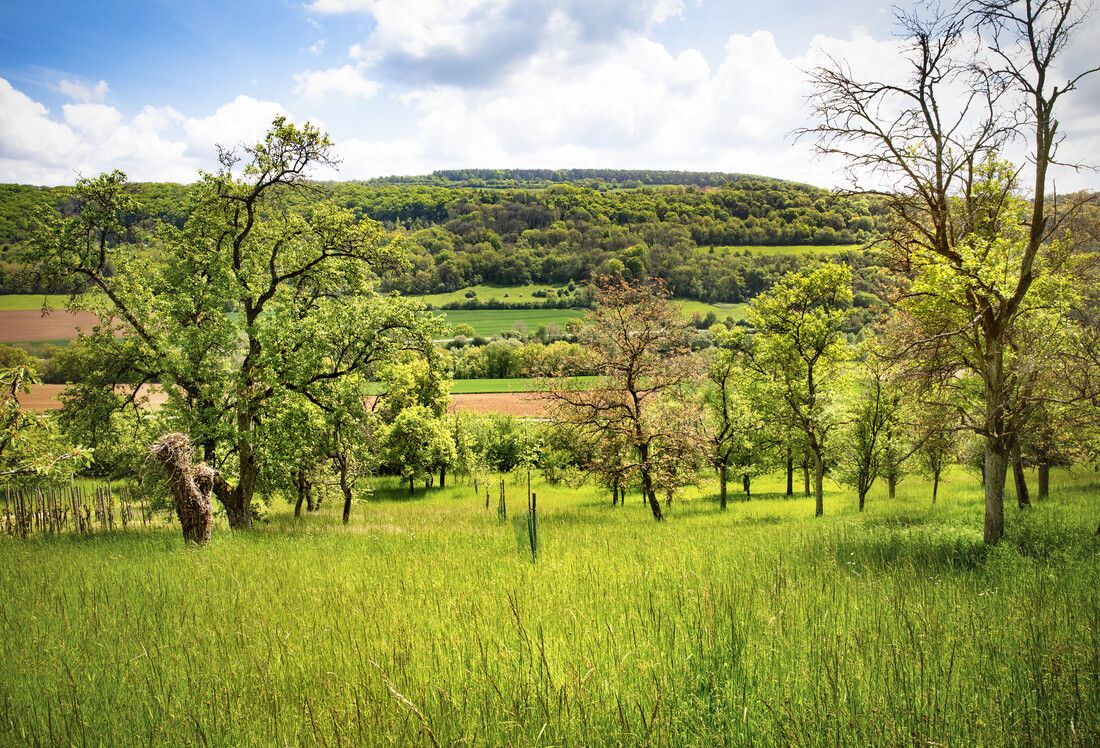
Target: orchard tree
(30,443)
(734,428)
(873,412)
(640,348)
(418,443)
(250,300)
(980,77)
(798,354)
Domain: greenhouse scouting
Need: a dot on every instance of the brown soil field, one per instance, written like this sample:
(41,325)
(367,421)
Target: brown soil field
(44,396)
(28,325)
(529,404)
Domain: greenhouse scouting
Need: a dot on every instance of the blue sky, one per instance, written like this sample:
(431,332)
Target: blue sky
(407,86)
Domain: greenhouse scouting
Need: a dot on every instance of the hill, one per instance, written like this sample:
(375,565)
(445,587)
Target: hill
(516,227)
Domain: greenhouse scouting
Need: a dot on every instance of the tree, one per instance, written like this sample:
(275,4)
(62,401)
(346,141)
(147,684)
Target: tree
(874,408)
(938,442)
(733,427)
(418,443)
(798,353)
(640,348)
(979,77)
(30,444)
(249,302)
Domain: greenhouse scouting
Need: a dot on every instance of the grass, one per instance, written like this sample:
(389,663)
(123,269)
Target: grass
(797,249)
(721,311)
(489,386)
(485,386)
(488,322)
(513,294)
(21,302)
(424,621)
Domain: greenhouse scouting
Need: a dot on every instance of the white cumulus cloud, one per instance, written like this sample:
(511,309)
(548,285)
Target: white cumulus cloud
(345,82)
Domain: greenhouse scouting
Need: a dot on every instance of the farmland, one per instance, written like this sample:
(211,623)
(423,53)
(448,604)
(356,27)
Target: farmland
(423,620)
(21,320)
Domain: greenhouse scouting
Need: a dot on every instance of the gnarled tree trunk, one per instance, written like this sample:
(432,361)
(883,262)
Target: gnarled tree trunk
(190,485)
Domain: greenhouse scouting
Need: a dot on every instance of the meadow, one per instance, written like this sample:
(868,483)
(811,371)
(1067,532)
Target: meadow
(489,322)
(425,622)
(22,302)
(766,250)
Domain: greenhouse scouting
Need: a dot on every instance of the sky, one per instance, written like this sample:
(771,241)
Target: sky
(410,86)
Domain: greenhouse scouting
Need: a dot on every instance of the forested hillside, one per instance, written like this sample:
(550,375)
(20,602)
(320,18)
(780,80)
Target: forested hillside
(515,227)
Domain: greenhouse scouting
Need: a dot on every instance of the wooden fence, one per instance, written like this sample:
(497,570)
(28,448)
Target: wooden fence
(54,509)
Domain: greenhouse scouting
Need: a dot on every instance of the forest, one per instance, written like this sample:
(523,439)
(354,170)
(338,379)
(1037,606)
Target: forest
(686,233)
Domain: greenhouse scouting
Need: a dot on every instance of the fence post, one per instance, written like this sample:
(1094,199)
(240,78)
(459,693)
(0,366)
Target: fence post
(533,527)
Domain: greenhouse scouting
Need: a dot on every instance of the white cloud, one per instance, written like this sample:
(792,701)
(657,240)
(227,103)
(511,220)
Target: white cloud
(158,143)
(243,120)
(318,46)
(83,92)
(345,82)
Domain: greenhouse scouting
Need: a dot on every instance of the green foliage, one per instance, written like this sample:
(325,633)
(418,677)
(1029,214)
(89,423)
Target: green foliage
(418,443)
(31,446)
(463,236)
(251,303)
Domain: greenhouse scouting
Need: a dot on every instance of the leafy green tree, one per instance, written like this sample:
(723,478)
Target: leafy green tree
(249,301)
(733,426)
(874,406)
(30,443)
(799,351)
(418,443)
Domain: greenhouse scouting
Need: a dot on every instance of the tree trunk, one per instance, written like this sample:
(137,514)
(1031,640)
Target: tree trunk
(190,485)
(1023,498)
(746,484)
(862,498)
(298,505)
(723,479)
(806,477)
(935,484)
(412,488)
(647,483)
(790,473)
(819,483)
(996,471)
(1044,480)
(346,489)
(892,484)
(442,476)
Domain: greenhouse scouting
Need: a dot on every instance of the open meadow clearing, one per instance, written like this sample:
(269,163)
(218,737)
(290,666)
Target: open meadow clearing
(425,622)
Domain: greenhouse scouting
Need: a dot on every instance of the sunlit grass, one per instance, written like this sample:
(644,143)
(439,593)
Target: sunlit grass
(426,619)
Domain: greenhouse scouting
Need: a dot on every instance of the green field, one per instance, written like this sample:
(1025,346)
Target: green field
(487,386)
(512,294)
(796,249)
(490,386)
(426,622)
(21,302)
(488,322)
(721,311)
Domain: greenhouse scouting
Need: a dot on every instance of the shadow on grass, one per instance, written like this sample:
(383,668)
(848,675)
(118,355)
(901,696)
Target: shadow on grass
(916,546)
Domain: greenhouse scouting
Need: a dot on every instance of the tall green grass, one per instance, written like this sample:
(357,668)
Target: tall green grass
(425,620)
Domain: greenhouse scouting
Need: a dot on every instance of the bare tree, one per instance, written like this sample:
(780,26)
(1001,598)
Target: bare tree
(981,76)
(640,348)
